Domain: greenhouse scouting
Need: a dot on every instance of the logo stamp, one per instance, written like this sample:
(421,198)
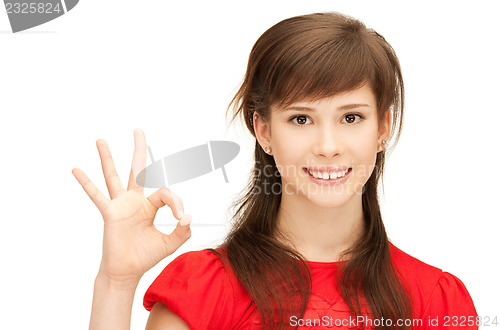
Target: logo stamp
(28,14)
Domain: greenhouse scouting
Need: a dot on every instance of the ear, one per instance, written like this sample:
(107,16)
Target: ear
(262,130)
(384,130)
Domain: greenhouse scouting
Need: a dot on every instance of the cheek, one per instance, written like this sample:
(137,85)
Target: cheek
(288,151)
(364,152)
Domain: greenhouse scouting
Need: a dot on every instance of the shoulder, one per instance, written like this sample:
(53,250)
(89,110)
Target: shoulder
(434,291)
(197,287)
(195,263)
(413,268)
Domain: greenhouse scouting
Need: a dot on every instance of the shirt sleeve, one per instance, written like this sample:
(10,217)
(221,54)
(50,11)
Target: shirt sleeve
(450,306)
(196,287)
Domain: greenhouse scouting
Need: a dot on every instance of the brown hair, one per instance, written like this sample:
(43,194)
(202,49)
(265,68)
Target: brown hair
(310,57)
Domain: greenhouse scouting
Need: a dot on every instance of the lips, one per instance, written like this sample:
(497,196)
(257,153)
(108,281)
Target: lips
(330,172)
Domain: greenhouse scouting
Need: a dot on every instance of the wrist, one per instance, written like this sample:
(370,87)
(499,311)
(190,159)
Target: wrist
(125,283)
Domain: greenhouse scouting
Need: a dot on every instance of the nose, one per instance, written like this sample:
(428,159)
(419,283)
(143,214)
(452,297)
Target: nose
(328,143)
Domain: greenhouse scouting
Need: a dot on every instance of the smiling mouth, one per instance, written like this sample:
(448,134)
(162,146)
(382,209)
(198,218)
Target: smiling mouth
(328,176)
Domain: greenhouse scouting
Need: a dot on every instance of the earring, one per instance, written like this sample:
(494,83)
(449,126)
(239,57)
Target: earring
(380,148)
(268,150)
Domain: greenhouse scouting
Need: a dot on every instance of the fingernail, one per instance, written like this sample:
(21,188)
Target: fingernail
(185,221)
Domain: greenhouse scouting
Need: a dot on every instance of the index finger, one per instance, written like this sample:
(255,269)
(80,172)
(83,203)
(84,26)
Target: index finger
(95,194)
(138,160)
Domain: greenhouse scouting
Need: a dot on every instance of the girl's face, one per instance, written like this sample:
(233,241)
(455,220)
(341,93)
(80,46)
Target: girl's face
(322,138)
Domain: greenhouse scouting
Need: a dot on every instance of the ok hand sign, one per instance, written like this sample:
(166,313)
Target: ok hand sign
(131,243)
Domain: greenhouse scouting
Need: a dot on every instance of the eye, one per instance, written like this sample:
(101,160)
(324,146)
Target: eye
(351,117)
(301,120)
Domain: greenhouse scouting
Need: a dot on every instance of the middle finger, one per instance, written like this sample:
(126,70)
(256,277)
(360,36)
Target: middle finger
(113,182)
(138,160)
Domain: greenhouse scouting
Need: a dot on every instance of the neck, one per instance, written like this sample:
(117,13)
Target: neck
(320,234)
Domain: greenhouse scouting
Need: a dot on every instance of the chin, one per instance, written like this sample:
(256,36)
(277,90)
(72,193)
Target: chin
(328,200)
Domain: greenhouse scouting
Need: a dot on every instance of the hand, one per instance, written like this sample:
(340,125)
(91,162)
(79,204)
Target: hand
(131,243)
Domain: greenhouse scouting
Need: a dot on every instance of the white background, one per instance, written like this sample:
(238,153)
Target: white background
(171,69)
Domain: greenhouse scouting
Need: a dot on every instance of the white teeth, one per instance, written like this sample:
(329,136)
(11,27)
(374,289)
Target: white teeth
(326,176)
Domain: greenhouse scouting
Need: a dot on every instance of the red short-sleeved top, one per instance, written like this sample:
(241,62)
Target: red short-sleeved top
(198,288)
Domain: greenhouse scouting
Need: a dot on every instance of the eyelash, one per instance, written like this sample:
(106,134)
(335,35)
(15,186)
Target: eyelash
(349,114)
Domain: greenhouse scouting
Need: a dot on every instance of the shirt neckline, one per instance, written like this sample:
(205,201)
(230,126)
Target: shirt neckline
(336,264)
(325,264)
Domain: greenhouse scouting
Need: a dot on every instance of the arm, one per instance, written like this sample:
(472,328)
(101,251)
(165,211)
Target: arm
(112,308)
(131,243)
(112,304)
(162,318)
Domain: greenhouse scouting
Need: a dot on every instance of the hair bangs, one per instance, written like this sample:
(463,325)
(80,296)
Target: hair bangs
(315,69)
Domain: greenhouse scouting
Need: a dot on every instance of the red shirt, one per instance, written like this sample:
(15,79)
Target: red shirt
(198,288)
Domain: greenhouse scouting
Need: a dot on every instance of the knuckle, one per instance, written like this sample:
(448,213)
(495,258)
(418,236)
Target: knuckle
(165,191)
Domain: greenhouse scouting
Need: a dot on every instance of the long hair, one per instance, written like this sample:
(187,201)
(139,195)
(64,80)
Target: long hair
(310,57)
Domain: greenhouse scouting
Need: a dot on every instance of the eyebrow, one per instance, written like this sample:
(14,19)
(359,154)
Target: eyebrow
(341,108)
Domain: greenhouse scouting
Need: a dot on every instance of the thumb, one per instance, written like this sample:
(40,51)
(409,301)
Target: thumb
(180,234)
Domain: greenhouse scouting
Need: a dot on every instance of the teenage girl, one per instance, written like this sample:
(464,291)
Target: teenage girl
(322,95)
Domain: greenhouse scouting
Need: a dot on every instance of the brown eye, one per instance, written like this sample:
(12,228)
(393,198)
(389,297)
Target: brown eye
(301,120)
(350,118)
